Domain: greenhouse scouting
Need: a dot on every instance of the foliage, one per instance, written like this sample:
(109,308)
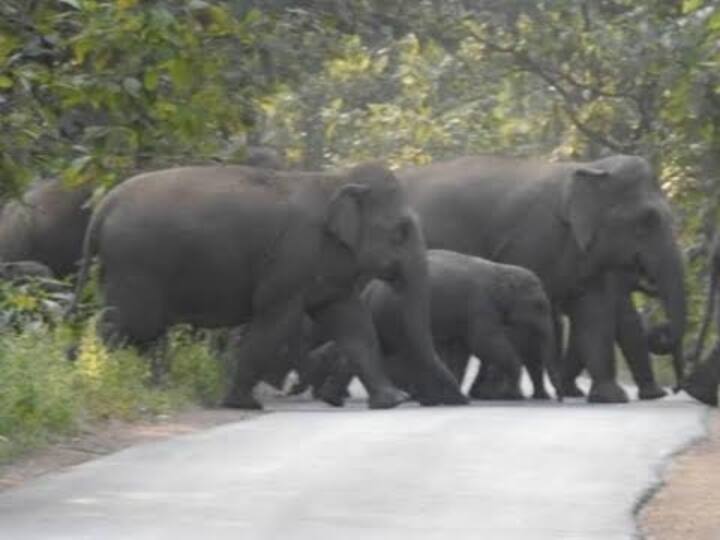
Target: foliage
(31,302)
(93,90)
(43,395)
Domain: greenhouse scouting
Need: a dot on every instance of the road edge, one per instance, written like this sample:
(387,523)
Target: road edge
(660,472)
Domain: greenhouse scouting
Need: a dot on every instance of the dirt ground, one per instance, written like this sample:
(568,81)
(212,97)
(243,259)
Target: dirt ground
(110,438)
(687,507)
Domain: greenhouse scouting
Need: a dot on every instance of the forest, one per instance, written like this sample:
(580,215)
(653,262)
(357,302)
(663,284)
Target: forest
(93,91)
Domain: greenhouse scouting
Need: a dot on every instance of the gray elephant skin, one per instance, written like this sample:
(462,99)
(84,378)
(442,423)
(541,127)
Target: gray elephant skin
(496,312)
(46,225)
(702,382)
(227,245)
(573,224)
(635,341)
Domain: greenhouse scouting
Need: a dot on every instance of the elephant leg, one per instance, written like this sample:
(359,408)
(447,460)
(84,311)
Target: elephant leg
(630,336)
(455,356)
(537,375)
(332,381)
(312,368)
(349,324)
(592,316)
(702,383)
(485,380)
(135,316)
(502,364)
(572,368)
(263,339)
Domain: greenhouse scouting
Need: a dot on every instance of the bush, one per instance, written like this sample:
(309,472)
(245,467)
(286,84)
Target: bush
(37,398)
(195,371)
(43,395)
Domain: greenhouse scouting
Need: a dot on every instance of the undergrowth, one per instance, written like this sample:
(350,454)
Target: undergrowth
(44,396)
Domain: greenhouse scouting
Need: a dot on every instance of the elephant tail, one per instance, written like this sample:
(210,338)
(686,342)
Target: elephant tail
(89,250)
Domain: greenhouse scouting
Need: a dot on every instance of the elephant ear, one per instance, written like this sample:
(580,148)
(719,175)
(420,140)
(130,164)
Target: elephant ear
(584,203)
(344,216)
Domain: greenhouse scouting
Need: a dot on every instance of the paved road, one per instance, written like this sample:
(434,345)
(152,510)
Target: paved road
(495,471)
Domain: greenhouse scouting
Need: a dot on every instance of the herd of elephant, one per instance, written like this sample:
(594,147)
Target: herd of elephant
(397,278)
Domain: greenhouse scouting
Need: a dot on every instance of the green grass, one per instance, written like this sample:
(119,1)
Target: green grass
(43,396)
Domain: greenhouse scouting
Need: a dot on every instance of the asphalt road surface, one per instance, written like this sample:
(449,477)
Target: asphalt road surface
(492,471)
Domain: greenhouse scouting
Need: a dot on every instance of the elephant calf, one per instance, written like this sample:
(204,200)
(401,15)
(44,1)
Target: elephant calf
(496,312)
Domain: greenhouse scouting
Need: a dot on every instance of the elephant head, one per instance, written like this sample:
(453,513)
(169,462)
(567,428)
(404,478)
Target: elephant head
(619,216)
(371,218)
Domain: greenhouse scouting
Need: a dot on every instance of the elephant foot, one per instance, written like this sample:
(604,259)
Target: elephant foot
(541,395)
(487,392)
(330,394)
(441,392)
(242,401)
(607,392)
(387,398)
(704,393)
(572,390)
(702,386)
(651,391)
(298,388)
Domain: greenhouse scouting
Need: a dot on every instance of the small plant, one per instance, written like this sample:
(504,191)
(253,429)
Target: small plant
(37,398)
(44,395)
(195,370)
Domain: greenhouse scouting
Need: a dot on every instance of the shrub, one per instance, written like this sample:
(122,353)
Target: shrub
(43,395)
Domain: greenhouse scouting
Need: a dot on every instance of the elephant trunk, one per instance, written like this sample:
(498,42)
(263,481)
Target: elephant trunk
(665,268)
(436,383)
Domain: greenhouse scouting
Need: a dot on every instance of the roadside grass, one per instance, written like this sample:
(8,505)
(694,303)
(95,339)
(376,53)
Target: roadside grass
(44,396)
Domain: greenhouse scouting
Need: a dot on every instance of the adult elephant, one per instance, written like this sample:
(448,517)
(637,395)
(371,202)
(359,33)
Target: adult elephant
(228,245)
(702,382)
(573,224)
(47,224)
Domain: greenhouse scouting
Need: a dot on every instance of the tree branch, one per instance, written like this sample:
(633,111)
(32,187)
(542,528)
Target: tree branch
(530,65)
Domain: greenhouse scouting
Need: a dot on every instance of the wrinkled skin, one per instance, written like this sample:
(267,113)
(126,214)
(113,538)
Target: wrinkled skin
(702,382)
(498,313)
(47,226)
(228,245)
(573,225)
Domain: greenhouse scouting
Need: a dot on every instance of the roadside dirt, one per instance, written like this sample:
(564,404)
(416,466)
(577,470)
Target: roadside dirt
(111,437)
(687,507)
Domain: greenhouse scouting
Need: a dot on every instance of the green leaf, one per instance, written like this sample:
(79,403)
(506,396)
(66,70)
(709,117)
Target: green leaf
(689,6)
(252,16)
(150,80)
(5,82)
(180,72)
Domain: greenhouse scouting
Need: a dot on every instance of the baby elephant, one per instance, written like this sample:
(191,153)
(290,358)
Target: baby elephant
(496,312)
